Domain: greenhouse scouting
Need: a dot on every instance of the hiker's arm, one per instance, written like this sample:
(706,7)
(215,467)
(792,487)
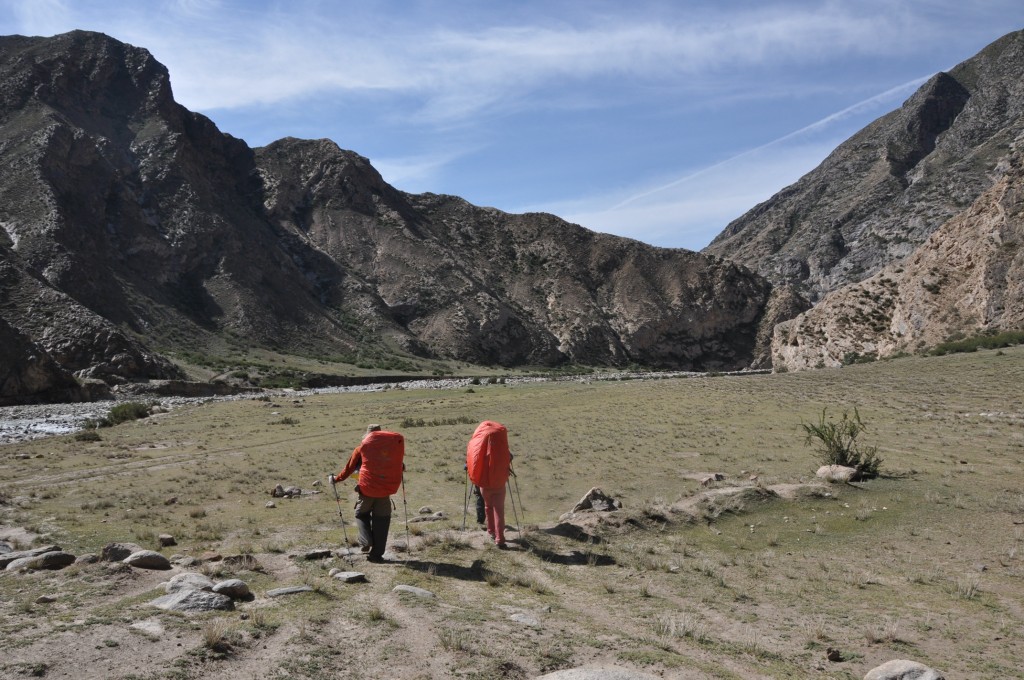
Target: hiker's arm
(353,464)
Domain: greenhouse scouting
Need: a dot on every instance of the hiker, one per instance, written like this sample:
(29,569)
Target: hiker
(487,463)
(379,462)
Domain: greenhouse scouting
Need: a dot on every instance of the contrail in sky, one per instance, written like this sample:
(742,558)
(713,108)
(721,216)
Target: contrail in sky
(827,120)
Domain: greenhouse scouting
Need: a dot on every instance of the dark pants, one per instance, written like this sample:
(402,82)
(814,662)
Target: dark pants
(481,518)
(373,518)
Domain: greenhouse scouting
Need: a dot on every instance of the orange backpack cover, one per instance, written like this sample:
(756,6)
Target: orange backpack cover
(487,455)
(382,455)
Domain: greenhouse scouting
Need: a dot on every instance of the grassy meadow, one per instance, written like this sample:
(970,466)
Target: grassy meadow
(923,563)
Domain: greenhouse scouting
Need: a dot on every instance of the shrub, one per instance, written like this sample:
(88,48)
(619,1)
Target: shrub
(87,436)
(122,413)
(973,344)
(836,443)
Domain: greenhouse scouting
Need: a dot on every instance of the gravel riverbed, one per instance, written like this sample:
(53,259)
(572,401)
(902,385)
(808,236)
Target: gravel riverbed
(35,421)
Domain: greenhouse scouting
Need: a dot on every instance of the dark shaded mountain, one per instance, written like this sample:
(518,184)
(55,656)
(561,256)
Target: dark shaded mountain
(132,227)
(884,191)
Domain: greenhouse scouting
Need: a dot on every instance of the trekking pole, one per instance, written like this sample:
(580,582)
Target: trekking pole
(341,514)
(516,477)
(465,502)
(405,508)
(519,526)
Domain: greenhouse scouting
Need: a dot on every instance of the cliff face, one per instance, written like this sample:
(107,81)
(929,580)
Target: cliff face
(132,227)
(883,192)
(967,278)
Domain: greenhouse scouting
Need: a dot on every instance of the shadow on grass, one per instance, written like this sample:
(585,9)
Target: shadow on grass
(474,572)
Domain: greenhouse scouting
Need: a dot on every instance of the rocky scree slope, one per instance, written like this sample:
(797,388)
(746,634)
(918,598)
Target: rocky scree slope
(968,277)
(133,227)
(884,191)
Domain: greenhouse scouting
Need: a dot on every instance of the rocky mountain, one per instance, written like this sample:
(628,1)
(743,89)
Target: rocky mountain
(133,228)
(883,192)
(967,278)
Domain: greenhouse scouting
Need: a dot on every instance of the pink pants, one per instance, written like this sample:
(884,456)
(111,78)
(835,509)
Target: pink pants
(494,510)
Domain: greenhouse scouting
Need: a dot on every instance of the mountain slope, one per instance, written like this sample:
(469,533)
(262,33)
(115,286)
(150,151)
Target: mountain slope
(131,225)
(967,278)
(880,194)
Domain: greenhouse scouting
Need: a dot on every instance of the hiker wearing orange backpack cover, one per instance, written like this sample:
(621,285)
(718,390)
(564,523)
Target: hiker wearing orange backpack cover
(488,461)
(379,461)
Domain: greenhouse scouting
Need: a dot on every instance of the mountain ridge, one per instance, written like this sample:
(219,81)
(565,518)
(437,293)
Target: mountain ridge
(153,232)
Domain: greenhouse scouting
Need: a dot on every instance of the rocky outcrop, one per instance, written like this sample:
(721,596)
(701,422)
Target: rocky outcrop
(883,192)
(966,279)
(129,223)
(28,374)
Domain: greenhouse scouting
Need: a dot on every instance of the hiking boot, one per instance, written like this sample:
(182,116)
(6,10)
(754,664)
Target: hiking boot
(375,559)
(502,546)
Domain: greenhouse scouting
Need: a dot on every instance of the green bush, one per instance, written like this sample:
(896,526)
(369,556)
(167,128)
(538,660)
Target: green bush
(87,436)
(984,341)
(131,410)
(836,443)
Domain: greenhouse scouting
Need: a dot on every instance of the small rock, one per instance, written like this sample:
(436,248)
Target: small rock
(425,510)
(291,590)
(349,576)
(87,558)
(277,491)
(413,590)
(166,540)
(5,548)
(147,559)
(597,500)
(116,552)
(194,601)
(525,619)
(834,655)
(316,483)
(900,669)
(189,580)
(210,556)
(270,504)
(46,599)
(234,588)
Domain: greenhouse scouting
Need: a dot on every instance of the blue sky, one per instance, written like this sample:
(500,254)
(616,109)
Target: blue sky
(657,120)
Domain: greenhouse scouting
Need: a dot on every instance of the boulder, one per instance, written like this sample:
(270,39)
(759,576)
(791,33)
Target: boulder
(87,558)
(900,669)
(189,580)
(234,588)
(48,560)
(147,559)
(193,601)
(836,473)
(166,540)
(116,552)
(597,500)
(7,558)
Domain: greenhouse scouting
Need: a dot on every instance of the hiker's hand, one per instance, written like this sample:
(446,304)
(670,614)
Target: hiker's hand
(330,478)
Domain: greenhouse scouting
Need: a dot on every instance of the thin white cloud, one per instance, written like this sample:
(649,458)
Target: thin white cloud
(865,105)
(221,57)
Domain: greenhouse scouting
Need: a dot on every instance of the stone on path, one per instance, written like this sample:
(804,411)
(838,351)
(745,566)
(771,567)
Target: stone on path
(290,590)
(234,588)
(47,560)
(901,669)
(321,554)
(350,576)
(116,552)
(147,559)
(193,601)
(598,673)
(189,580)
(413,590)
